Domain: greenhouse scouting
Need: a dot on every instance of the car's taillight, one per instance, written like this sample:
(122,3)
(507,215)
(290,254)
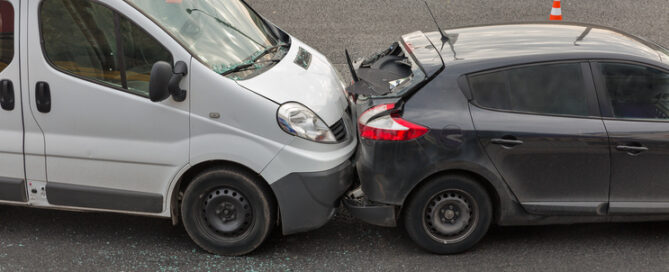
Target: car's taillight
(389,127)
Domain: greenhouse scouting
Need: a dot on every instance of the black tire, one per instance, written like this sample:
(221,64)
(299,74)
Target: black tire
(448,214)
(227,211)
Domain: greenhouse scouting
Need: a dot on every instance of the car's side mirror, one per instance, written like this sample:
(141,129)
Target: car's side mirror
(165,81)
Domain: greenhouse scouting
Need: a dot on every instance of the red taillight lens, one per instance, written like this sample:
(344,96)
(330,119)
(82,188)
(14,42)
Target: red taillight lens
(390,127)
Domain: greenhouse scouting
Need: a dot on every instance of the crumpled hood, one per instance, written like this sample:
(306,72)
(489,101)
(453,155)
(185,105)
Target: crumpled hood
(318,87)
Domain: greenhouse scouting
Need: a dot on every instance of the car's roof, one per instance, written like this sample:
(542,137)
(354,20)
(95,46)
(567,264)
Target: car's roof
(531,39)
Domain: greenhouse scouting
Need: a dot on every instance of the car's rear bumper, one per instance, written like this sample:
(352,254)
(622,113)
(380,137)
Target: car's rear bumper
(308,200)
(373,213)
(388,171)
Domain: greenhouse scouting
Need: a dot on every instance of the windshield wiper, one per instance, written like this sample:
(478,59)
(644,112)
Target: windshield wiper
(268,50)
(246,66)
(190,11)
(254,60)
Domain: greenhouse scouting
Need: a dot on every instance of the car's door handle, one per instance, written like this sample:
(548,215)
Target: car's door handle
(506,141)
(6,95)
(632,149)
(43,97)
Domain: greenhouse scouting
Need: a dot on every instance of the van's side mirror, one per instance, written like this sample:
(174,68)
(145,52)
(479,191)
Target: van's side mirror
(165,81)
(161,73)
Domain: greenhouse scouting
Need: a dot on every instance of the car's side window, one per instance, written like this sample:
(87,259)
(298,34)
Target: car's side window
(80,38)
(557,88)
(636,91)
(6,34)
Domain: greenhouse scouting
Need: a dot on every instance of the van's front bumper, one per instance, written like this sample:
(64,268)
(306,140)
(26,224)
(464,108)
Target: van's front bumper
(308,200)
(309,179)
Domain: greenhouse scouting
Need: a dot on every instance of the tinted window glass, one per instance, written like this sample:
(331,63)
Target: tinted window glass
(546,89)
(6,34)
(637,91)
(80,38)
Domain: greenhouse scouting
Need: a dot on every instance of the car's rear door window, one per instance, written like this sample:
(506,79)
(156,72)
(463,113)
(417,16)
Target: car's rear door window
(636,91)
(556,89)
(6,34)
(80,37)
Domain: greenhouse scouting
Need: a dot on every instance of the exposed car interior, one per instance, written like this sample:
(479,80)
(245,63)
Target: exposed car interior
(382,72)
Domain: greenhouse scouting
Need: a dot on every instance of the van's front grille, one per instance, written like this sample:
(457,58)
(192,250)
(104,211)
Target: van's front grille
(339,130)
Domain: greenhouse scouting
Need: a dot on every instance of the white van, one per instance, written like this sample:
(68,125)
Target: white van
(197,110)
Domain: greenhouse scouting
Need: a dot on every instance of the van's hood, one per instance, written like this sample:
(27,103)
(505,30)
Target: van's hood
(317,86)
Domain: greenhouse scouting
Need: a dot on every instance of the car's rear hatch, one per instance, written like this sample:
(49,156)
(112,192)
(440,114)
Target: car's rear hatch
(398,70)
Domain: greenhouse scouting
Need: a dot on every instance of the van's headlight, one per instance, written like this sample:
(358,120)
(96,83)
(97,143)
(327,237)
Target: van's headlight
(300,121)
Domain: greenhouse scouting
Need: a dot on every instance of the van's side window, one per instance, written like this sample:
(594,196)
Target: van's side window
(6,34)
(141,51)
(80,38)
(544,89)
(635,91)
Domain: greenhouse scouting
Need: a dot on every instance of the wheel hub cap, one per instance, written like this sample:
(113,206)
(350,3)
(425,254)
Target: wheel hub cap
(449,216)
(227,212)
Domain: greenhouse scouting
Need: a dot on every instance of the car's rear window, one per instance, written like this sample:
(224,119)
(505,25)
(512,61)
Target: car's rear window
(544,89)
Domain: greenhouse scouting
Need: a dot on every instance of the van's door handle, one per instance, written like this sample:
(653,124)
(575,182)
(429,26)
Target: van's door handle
(632,149)
(43,97)
(6,95)
(507,141)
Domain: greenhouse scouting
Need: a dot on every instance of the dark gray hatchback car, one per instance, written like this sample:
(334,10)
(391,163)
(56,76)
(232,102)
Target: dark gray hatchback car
(515,124)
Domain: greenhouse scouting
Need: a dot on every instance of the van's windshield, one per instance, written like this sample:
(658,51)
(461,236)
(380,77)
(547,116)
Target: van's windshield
(226,35)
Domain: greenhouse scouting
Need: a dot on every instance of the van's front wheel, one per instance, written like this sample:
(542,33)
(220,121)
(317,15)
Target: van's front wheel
(228,212)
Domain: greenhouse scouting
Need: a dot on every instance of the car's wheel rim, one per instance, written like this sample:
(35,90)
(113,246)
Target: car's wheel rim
(450,216)
(227,212)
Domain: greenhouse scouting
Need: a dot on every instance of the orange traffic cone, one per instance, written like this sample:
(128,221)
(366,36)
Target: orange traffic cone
(556,12)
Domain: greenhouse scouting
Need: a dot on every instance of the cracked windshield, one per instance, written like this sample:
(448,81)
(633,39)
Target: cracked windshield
(225,35)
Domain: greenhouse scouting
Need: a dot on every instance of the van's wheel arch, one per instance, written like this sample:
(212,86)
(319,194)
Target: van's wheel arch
(448,214)
(187,177)
(228,211)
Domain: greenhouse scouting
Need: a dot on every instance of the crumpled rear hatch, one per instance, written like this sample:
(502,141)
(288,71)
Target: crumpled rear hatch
(398,69)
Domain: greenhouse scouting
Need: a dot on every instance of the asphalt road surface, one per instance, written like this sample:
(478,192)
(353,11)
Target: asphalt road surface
(44,240)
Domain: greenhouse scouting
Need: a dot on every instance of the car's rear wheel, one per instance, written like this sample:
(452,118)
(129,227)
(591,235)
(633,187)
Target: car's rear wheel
(448,214)
(227,211)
